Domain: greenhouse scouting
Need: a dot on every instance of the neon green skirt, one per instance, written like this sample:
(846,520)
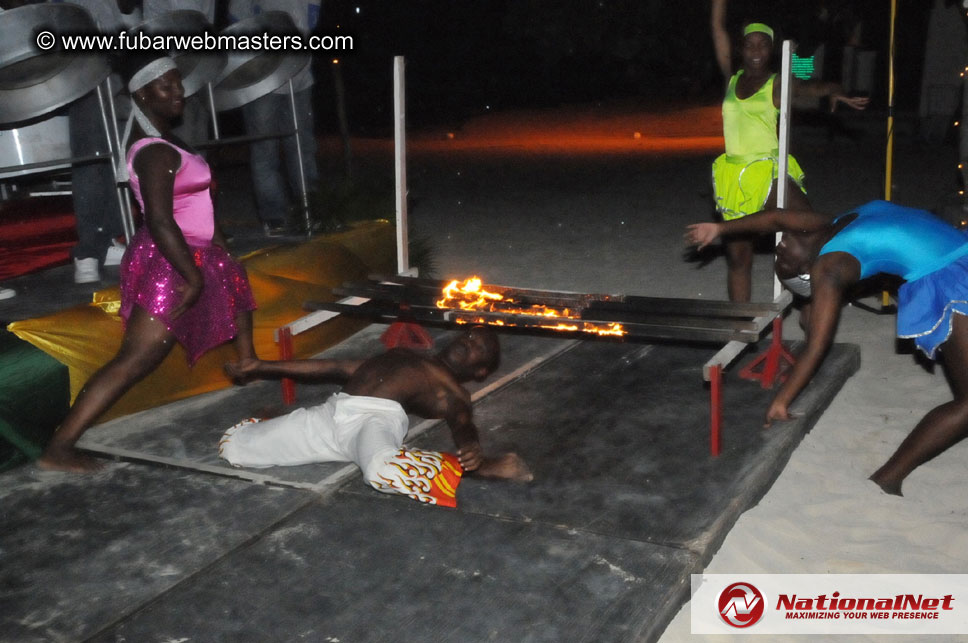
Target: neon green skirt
(742,187)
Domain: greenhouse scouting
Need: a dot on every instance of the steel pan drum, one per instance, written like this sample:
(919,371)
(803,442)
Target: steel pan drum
(197,67)
(249,75)
(48,140)
(32,82)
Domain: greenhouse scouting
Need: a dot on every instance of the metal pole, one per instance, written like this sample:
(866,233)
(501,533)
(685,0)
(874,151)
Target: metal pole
(400,164)
(715,409)
(889,164)
(115,155)
(302,171)
(889,161)
(783,161)
(211,109)
(126,213)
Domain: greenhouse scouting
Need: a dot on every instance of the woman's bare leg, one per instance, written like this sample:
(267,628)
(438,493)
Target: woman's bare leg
(244,348)
(943,426)
(739,268)
(145,344)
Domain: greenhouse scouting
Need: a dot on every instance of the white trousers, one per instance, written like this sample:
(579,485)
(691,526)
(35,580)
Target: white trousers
(348,428)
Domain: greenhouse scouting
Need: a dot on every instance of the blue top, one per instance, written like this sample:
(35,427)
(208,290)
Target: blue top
(893,239)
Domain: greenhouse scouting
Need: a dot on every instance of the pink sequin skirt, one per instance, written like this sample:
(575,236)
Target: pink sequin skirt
(149,281)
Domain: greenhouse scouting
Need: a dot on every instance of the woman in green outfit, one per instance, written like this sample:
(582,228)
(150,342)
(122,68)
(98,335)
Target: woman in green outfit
(745,176)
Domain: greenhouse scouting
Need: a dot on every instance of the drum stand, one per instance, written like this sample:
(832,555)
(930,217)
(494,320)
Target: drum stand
(114,154)
(304,194)
(109,120)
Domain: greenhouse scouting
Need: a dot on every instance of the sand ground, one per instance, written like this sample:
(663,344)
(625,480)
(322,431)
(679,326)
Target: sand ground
(593,208)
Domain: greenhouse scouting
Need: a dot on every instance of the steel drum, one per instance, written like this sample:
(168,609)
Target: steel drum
(249,75)
(197,67)
(33,82)
(48,140)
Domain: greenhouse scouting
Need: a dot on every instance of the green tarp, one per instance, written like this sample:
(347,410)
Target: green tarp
(34,398)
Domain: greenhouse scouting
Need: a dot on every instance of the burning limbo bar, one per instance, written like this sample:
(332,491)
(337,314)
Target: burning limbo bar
(472,302)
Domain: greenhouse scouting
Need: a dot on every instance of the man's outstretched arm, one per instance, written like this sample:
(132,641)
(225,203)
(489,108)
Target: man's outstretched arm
(248,369)
(462,429)
(508,466)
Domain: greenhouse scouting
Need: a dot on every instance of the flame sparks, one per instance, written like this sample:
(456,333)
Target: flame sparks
(470,295)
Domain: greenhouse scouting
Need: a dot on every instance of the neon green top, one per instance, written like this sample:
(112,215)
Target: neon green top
(749,125)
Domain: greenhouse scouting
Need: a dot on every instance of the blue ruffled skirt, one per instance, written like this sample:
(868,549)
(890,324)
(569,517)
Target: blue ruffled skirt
(926,306)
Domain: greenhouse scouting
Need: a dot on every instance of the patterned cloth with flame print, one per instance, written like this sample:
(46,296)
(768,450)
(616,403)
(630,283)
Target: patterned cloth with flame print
(426,476)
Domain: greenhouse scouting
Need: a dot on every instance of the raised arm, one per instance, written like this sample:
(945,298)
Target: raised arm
(830,277)
(721,47)
(702,234)
(308,369)
(156,165)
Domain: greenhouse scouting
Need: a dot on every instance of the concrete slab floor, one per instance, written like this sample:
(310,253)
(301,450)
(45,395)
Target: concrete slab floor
(626,504)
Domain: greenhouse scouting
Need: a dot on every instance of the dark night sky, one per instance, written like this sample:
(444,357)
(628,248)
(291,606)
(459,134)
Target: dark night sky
(467,56)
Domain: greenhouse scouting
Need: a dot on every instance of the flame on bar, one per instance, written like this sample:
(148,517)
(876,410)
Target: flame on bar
(470,295)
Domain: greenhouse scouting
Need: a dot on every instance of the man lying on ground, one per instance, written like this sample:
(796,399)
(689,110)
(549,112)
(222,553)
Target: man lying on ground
(367,421)
(821,257)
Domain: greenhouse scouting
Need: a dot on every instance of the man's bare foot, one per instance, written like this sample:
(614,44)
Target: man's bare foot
(242,371)
(506,467)
(68,459)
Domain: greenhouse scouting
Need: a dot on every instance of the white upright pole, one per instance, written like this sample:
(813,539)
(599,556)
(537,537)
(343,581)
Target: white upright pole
(400,165)
(783,162)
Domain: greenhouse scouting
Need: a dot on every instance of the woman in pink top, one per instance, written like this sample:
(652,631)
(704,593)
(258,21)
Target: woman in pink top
(178,281)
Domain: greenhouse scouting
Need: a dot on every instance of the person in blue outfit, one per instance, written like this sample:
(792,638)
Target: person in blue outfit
(821,257)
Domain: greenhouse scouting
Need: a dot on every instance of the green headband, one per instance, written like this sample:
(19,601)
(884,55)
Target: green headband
(757,27)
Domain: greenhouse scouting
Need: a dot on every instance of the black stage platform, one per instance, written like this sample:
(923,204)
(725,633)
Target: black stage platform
(625,505)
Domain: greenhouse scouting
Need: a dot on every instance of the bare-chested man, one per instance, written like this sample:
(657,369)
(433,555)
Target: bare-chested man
(367,422)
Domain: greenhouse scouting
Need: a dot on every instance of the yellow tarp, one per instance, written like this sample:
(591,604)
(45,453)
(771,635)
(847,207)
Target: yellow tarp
(85,337)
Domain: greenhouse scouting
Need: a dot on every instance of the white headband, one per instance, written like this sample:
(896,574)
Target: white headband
(155,69)
(799,285)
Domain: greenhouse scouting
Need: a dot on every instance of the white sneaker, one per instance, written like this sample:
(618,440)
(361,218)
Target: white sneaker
(7,293)
(115,252)
(86,271)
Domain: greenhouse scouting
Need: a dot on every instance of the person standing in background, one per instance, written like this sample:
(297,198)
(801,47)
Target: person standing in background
(271,114)
(745,176)
(93,188)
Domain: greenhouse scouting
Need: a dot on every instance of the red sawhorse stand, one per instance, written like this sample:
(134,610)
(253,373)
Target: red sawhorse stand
(769,367)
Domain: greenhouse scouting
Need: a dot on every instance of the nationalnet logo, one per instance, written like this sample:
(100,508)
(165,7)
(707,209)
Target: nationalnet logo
(862,607)
(741,605)
(830,603)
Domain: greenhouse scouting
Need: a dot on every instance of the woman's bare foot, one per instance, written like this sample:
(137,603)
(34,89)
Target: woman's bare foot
(509,466)
(888,486)
(242,371)
(69,459)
